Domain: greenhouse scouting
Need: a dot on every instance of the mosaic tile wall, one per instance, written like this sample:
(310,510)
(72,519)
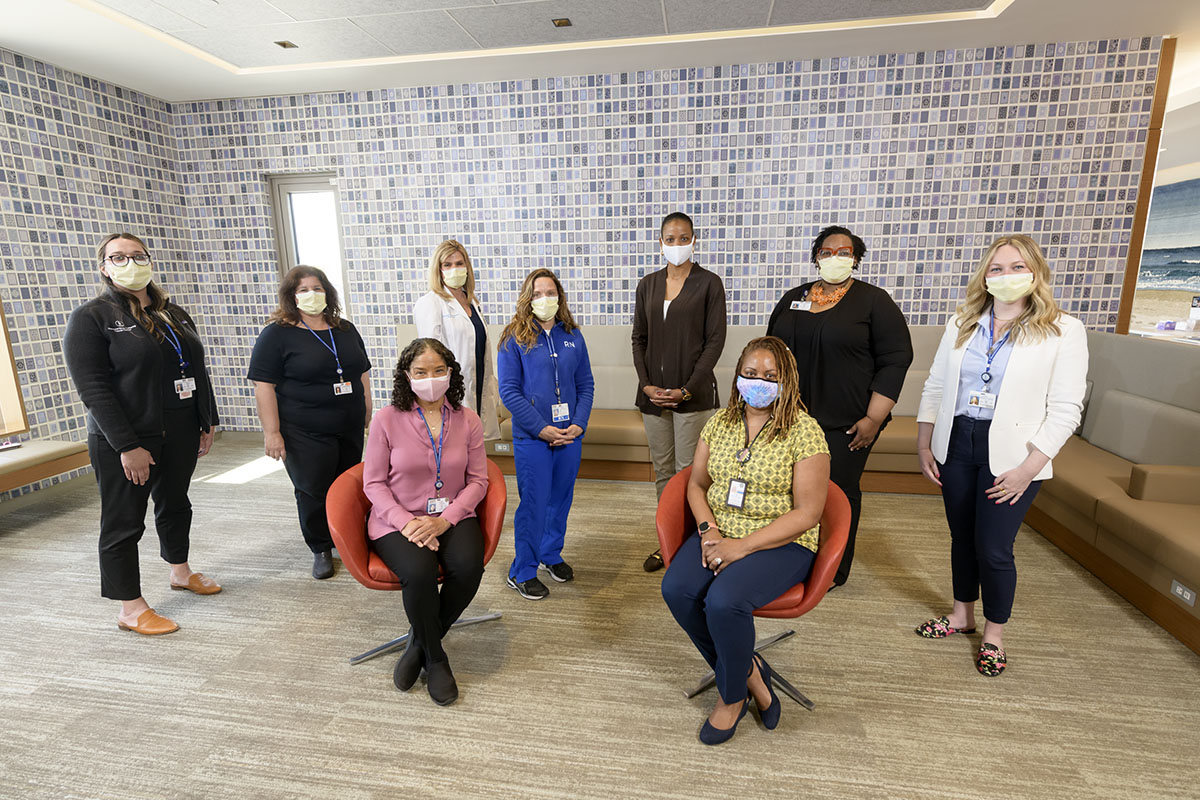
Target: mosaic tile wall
(79,158)
(927,155)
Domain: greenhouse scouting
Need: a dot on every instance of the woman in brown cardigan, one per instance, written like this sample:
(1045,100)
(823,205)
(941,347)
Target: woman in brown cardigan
(678,335)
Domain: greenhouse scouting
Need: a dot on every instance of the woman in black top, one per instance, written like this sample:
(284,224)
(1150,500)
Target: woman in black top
(853,349)
(678,335)
(312,386)
(138,364)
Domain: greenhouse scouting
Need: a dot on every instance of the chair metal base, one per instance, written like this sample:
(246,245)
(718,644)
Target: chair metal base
(710,680)
(395,644)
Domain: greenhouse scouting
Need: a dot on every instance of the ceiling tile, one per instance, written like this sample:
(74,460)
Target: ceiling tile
(696,16)
(418,32)
(330,40)
(522,24)
(334,9)
(153,14)
(801,12)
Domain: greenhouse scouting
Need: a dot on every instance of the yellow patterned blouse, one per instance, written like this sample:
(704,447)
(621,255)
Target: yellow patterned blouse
(768,474)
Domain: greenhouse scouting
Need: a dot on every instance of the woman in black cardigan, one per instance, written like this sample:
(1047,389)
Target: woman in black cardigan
(853,349)
(138,364)
(678,335)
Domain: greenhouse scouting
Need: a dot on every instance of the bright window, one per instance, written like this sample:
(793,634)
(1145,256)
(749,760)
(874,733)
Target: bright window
(308,227)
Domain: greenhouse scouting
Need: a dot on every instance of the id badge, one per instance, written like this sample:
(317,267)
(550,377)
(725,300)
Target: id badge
(559,412)
(801,305)
(343,388)
(436,505)
(737,494)
(184,387)
(981,399)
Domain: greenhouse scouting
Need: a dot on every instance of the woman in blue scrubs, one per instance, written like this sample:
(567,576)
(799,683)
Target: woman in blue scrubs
(546,383)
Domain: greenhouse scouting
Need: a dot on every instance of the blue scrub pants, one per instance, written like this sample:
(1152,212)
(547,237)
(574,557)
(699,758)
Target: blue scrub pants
(546,486)
(716,611)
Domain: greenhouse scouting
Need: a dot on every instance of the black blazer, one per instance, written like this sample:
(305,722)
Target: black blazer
(117,366)
(681,350)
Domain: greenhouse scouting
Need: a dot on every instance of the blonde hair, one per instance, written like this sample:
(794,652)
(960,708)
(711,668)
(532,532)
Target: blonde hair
(1038,321)
(158,298)
(440,254)
(525,327)
(788,406)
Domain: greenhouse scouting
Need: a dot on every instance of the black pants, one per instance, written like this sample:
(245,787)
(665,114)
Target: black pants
(460,555)
(845,469)
(313,462)
(123,503)
(981,532)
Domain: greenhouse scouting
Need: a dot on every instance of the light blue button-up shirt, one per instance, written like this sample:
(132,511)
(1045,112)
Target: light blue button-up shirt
(973,364)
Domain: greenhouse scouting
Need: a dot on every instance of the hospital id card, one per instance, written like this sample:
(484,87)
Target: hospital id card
(184,387)
(343,388)
(436,505)
(736,498)
(981,399)
(801,305)
(559,412)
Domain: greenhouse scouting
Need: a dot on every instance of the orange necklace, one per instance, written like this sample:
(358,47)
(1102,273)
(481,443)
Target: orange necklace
(822,298)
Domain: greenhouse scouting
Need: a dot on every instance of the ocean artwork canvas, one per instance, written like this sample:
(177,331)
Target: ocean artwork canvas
(1169,278)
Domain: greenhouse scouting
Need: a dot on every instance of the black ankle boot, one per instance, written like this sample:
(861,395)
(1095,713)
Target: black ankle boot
(408,668)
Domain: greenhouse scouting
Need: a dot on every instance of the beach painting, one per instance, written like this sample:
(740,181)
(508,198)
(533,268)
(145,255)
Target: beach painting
(1169,279)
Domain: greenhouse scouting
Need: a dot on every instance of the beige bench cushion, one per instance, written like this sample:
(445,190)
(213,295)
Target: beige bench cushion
(1166,533)
(900,437)
(1144,431)
(1084,474)
(33,453)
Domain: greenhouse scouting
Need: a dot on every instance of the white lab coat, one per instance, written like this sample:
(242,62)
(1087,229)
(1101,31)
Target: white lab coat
(1039,403)
(442,318)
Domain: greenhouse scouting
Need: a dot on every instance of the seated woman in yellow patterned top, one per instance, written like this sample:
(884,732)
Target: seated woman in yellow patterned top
(757,491)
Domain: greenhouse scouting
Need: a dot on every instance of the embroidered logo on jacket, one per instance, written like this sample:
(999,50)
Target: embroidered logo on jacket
(121,328)
(569,343)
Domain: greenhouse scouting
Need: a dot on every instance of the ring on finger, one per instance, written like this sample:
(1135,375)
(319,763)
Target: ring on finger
(718,561)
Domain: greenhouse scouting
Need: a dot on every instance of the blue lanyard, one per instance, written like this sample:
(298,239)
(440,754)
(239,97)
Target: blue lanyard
(331,347)
(554,361)
(437,448)
(177,346)
(986,377)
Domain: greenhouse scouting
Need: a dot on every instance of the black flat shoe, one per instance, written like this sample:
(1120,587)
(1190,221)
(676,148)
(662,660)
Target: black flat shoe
(408,668)
(769,715)
(711,735)
(440,680)
(323,565)
(653,562)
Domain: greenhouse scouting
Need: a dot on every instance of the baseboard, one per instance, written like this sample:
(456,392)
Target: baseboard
(1155,605)
(595,469)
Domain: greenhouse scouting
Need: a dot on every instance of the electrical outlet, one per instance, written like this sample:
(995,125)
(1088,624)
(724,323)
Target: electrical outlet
(1183,593)
(502,447)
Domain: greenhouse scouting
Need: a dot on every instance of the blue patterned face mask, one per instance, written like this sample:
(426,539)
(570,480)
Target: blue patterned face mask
(757,392)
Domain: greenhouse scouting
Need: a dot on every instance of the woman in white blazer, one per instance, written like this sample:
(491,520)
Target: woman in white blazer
(450,313)
(1004,393)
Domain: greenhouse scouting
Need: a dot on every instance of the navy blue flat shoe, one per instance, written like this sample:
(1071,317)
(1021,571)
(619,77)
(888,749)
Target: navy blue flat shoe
(711,735)
(769,715)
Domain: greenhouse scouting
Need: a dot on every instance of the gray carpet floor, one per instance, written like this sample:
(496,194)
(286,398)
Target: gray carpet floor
(579,695)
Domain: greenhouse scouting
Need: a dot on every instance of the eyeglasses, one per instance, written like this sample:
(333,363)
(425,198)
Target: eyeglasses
(826,253)
(141,259)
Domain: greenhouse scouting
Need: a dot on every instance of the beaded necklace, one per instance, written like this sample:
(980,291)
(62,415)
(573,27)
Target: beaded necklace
(821,298)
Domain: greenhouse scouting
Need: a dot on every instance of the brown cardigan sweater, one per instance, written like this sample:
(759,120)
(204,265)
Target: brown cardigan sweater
(680,351)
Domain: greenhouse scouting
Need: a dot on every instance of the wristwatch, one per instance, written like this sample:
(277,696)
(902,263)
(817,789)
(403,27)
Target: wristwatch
(704,528)
(686,394)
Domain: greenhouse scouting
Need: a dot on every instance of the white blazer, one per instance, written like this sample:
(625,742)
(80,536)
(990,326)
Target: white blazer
(443,319)
(1039,403)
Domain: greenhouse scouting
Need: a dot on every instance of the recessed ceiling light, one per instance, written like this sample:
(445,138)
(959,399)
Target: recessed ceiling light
(286,45)
(561,22)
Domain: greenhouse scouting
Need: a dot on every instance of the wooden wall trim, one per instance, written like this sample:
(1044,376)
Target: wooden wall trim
(39,472)
(1137,236)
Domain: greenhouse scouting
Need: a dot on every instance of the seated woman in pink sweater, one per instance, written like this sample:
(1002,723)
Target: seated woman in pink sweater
(425,474)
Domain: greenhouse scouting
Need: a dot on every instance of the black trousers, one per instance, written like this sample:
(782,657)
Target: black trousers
(460,555)
(123,503)
(845,469)
(982,533)
(313,462)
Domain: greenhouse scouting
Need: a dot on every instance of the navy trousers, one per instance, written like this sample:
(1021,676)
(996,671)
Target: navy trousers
(981,532)
(716,611)
(546,486)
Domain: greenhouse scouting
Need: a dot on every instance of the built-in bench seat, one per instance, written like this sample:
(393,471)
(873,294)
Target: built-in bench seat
(38,459)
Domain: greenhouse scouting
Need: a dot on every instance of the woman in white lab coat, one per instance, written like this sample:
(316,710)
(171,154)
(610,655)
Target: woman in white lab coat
(449,312)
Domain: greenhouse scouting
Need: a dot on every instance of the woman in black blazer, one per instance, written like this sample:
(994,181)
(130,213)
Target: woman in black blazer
(138,364)
(853,349)
(678,335)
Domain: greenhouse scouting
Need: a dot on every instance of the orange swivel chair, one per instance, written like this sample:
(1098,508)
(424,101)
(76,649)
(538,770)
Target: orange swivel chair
(347,508)
(675,523)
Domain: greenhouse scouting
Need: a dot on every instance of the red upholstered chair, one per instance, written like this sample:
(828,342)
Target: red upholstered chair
(675,523)
(347,508)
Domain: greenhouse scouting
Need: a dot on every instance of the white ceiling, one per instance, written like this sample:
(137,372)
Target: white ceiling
(197,49)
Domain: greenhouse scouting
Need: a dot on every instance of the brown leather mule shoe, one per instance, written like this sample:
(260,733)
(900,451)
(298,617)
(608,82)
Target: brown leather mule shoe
(199,584)
(150,623)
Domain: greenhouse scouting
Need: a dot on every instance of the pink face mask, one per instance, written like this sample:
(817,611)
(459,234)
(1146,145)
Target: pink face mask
(430,389)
